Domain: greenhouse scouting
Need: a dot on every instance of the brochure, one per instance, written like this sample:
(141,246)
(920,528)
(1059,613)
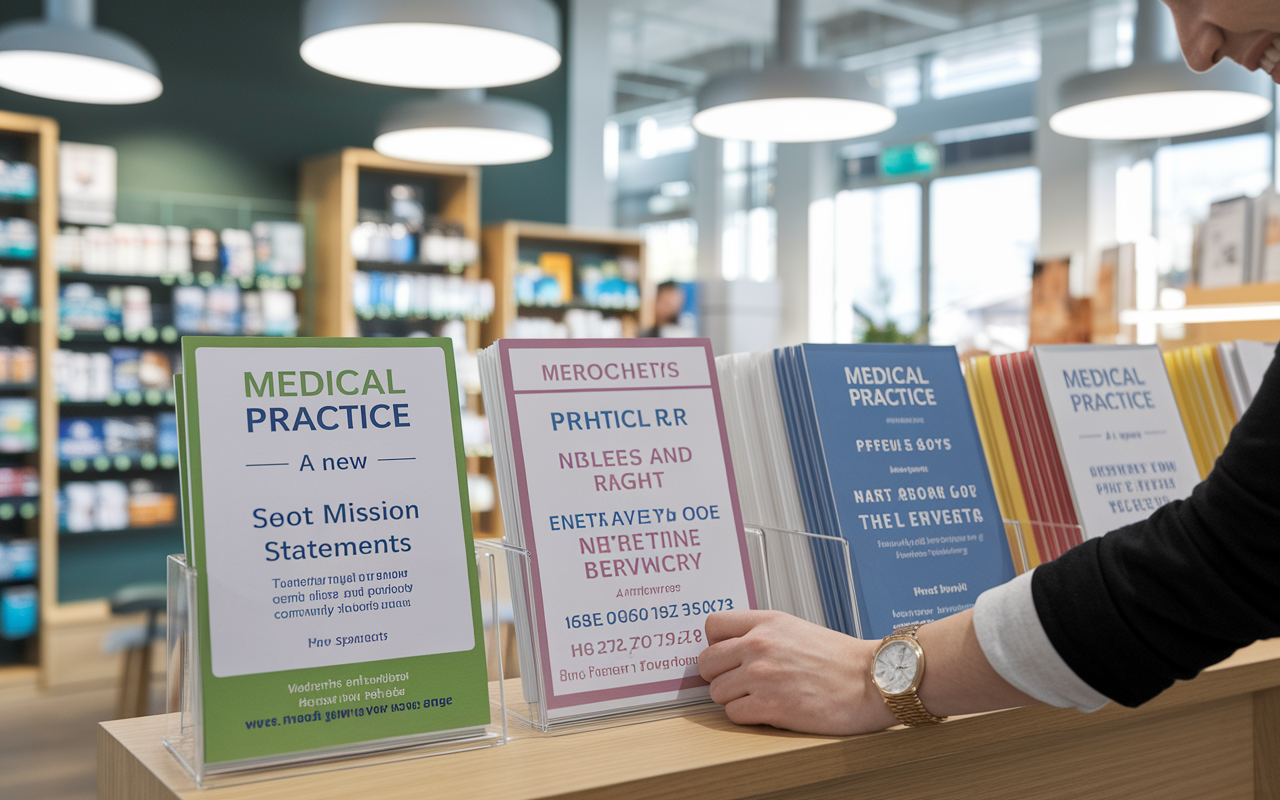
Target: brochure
(337,597)
(614,471)
(1119,431)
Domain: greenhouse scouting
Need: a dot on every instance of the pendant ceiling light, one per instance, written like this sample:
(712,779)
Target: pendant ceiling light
(432,44)
(465,127)
(790,101)
(1158,96)
(64,57)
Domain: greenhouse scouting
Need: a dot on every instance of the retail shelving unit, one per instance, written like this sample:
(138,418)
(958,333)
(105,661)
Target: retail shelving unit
(507,244)
(338,186)
(84,565)
(353,186)
(33,140)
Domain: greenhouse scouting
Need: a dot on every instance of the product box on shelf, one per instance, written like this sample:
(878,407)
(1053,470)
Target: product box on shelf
(17,365)
(18,612)
(17,288)
(17,425)
(18,181)
(19,482)
(87,506)
(18,238)
(18,559)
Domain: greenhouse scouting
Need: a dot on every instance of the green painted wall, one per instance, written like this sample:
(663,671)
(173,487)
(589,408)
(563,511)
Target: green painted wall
(240,109)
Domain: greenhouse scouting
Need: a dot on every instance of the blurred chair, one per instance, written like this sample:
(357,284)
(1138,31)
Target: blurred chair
(135,642)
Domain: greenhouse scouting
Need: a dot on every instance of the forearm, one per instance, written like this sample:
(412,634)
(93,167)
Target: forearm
(958,679)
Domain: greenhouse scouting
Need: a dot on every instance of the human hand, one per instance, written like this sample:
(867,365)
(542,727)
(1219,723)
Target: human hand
(770,668)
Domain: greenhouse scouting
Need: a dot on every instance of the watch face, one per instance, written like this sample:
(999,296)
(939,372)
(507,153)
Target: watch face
(895,667)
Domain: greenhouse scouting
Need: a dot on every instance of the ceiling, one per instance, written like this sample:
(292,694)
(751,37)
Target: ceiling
(663,50)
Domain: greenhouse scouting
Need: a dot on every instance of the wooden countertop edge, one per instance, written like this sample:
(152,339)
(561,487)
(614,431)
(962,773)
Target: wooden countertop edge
(715,757)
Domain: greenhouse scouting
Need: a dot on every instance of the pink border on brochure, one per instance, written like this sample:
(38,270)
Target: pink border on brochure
(504,348)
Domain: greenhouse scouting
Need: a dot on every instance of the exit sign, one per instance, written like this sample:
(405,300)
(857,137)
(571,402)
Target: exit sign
(919,158)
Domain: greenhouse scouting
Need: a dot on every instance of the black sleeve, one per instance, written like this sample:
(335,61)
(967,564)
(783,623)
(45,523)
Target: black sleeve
(1160,600)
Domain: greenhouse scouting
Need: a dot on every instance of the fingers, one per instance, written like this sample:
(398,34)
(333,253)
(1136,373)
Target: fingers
(732,624)
(719,659)
(730,686)
(749,710)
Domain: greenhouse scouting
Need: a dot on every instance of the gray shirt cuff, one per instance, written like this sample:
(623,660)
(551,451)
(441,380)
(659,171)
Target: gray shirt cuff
(1014,641)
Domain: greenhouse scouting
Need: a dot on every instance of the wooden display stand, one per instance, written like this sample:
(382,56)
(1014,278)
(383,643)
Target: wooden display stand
(501,258)
(1217,736)
(331,185)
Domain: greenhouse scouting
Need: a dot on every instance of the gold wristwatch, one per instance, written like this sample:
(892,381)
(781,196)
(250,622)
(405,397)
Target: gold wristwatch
(897,669)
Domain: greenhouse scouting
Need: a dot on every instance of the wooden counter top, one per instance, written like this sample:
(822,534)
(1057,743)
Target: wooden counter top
(1215,737)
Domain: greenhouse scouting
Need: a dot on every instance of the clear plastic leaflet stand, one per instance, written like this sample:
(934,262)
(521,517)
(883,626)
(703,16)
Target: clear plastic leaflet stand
(805,574)
(1055,536)
(183,706)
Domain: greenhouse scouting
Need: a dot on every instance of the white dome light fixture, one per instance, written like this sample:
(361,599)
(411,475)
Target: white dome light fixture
(64,57)
(432,44)
(790,101)
(463,127)
(1155,97)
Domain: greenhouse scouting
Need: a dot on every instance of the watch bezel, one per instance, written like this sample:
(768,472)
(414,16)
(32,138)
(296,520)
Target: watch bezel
(911,642)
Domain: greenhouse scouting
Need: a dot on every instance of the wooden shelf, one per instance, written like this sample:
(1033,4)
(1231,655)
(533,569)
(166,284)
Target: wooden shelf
(1212,332)
(500,251)
(331,185)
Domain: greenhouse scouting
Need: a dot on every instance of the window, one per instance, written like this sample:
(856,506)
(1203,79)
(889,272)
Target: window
(671,250)
(865,255)
(980,68)
(901,84)
(1188,177)
(984,236)
(665,134)
(749,239)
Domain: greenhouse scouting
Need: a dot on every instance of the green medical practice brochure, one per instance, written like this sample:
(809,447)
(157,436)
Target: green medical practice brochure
(337,599)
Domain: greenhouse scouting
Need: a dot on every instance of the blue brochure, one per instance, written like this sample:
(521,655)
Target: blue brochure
(887,456)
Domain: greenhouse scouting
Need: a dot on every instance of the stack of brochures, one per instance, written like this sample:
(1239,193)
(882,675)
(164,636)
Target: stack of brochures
(615,474)
(1082,439)
(875,444)
(1243,363)
(1199,378)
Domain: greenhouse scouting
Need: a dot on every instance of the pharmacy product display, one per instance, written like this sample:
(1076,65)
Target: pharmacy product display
(269,248)
(407,239)
(1083,439)
(588,287)
(28,197)
(404,294)
(114,505)
(120,374)
(331,541)
(121,442)
(614,471)
(875,444)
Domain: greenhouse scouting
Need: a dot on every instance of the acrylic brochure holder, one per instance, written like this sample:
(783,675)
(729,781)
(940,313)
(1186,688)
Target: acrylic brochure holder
(183,723)
(796,572)
(1053,538)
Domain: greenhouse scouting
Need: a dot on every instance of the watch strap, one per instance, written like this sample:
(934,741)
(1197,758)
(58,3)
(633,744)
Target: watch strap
(906,707)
